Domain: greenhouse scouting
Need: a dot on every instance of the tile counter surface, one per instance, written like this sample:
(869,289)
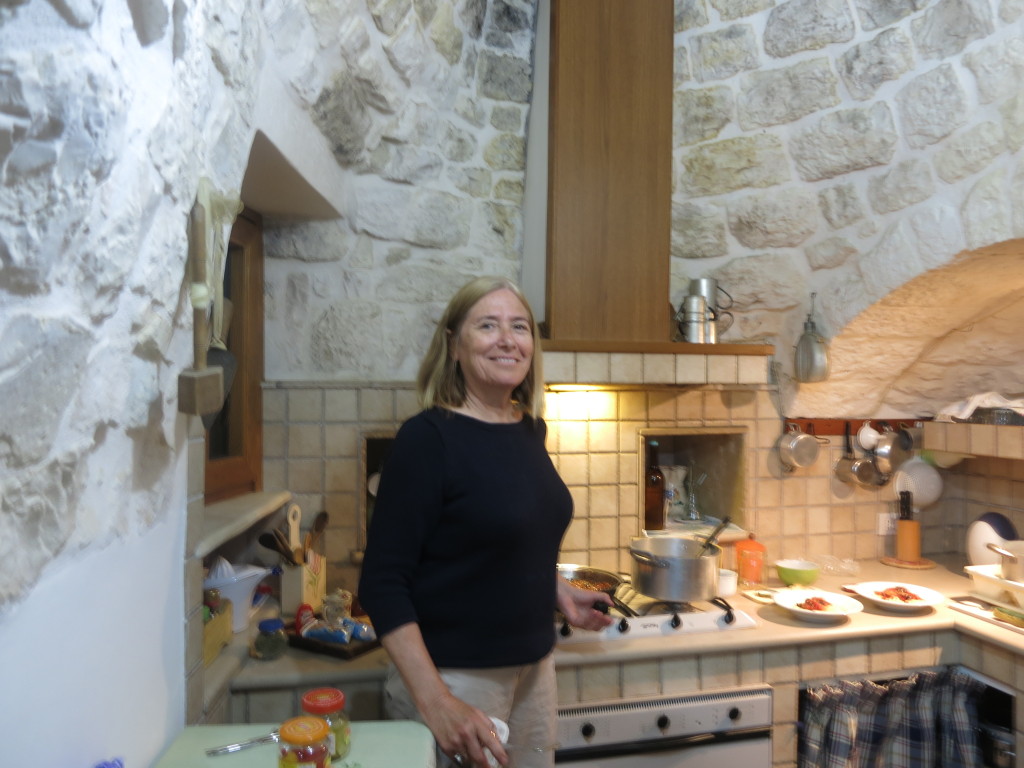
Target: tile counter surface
(776,628)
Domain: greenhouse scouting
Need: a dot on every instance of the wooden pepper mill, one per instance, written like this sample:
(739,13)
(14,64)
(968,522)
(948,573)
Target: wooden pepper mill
(908,531)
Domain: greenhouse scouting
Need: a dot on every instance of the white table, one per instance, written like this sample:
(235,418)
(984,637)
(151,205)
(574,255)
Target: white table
(376,744)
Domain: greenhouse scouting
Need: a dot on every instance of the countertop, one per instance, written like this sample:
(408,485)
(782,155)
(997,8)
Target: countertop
(776,627)
(377,744)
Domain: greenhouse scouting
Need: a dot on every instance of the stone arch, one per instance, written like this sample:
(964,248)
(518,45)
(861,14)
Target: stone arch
(947,333)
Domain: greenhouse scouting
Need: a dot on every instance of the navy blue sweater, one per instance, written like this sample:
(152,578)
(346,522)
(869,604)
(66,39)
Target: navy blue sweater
(464,540)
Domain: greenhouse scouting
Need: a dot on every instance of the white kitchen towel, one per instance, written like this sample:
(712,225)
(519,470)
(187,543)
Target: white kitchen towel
(964,408)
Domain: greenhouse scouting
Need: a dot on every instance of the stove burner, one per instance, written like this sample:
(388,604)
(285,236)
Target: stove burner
(666,606)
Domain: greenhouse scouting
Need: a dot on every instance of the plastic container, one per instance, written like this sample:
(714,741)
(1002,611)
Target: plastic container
(750,557)
(329,704)
(304,743)
(270,642)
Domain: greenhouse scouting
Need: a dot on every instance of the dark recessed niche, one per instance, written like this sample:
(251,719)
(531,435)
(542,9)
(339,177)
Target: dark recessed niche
(717,453)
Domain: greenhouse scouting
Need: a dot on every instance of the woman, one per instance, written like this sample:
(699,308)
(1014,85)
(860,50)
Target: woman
(459,573)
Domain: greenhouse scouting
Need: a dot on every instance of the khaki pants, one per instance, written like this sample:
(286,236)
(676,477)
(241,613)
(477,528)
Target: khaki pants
(525,697)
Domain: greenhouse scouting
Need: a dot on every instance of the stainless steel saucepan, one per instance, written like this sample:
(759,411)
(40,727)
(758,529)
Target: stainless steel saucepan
(674,568)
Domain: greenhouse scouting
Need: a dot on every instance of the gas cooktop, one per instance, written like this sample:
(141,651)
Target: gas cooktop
(639,616)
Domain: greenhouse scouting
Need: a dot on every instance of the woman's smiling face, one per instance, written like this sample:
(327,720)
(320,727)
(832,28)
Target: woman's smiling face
(494,345)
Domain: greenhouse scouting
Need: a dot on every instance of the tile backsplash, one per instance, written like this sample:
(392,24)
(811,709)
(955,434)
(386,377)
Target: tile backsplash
(314,446)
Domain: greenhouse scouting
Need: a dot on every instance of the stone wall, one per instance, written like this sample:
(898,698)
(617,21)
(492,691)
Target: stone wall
(427,114)
(109,116)
(847,147)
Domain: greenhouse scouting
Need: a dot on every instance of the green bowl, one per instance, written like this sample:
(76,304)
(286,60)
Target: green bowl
(797,572)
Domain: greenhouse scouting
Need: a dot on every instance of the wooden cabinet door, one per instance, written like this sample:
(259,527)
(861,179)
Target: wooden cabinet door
(610,170)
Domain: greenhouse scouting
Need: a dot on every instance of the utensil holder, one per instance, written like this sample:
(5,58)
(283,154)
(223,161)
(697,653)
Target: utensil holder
(908,540)
(306,583)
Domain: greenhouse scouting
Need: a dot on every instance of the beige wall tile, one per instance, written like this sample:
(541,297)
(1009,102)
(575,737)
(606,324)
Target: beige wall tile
(626,368)
(341,405)
(659,369)
(641,678)
(751,667)
(560,367)
(719,670)
(305,440)
(376,405)
(568,685)
(592,366)
(305,476)
(885,654)
(817,662)
(275,404)
(305,405)
(781,666)
(599,682)
(680,675)
(723,369)
(852,657)
(785,703)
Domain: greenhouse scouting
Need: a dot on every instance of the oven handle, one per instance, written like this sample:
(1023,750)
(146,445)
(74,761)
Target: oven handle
(643,746)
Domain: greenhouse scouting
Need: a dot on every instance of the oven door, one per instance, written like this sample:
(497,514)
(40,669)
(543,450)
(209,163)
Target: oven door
(727,728)
(755,752)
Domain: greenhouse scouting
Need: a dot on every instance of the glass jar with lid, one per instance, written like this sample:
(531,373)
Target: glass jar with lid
(270,642)
(329,703)
(304,743)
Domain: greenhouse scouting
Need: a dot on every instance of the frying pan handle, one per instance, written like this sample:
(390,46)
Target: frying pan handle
(648,559)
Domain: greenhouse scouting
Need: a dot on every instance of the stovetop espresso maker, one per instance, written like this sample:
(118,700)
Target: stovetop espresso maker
(701,318)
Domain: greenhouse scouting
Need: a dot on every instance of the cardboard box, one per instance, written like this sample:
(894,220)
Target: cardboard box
(217,633)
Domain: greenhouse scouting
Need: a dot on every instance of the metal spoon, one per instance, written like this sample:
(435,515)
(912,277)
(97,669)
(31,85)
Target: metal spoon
(714,535)
(269,738)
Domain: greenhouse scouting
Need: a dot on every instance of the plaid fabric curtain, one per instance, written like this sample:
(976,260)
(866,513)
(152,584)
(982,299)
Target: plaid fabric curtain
(923,721)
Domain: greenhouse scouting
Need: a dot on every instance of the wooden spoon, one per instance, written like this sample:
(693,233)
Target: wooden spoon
(316,531)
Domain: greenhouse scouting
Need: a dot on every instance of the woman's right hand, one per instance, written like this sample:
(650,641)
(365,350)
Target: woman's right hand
(462,729)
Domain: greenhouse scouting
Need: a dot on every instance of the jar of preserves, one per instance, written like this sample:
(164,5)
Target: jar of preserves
(270,642)
(304,743)
(329,703)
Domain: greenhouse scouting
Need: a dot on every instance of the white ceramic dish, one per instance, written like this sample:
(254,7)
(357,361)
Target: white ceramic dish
(987,583)
(991,527)
(841,605)
(869,591)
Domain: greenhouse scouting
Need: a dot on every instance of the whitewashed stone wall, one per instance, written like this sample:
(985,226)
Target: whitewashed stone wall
(109,116)
(427,111)
(847,148)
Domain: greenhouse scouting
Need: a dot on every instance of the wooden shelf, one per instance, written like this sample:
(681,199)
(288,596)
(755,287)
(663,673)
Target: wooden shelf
(227,519)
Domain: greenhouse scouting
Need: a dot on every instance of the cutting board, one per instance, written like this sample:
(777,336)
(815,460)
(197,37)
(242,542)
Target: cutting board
(348,650)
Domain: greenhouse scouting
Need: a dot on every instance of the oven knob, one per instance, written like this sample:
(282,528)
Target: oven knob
(588,731)
(734,713)
(676,621)
(664,722)
(623,626)
(565,630)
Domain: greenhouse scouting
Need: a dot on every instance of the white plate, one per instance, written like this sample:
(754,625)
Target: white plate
(869,591)
(991,527)
(842,605)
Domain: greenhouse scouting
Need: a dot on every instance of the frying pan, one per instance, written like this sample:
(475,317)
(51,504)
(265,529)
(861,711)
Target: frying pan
(596,579)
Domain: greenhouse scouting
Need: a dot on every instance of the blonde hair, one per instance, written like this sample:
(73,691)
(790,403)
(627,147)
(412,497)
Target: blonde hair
(440,381)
